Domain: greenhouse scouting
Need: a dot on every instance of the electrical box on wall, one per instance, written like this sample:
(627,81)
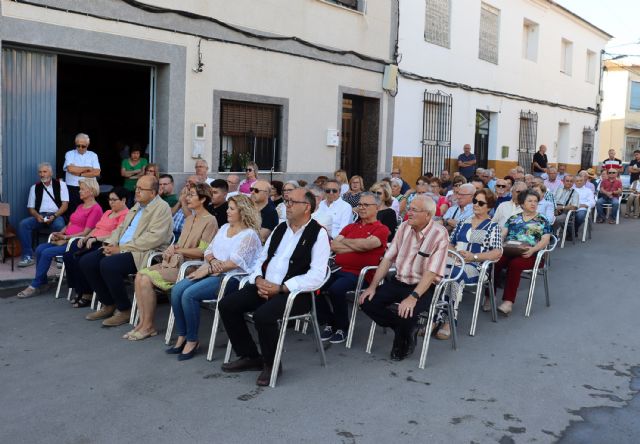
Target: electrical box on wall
(505,151)
(198,142)
(333,137)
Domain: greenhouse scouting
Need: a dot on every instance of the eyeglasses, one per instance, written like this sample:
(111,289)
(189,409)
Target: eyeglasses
(248,170)
(611,172)
(331,190)
(81,146)
(501,186)
(291,202)
(111,199)
(365,205)
(481,203)
(143,189)
(465,194)
(395,172)
(256,190)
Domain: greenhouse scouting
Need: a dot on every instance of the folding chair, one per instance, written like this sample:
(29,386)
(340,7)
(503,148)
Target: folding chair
(485,280)
(286,317)
(61,277)
(454,260)
(540,267)
(569,225)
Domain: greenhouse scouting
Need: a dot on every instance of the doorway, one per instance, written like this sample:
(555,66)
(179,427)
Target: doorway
(111,102)
(360,139)
(481,146)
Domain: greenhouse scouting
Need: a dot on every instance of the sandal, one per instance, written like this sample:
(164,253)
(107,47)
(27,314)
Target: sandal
(138,336)
(444,332)
(27,292)
(81,302)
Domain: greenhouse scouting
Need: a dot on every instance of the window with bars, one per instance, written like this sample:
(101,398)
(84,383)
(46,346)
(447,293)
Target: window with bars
(249,132)
(437,28)
(489,33)
(586,158)
(436,131)
(527,138)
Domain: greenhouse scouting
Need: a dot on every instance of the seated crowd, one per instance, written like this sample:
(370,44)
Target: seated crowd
(282,235)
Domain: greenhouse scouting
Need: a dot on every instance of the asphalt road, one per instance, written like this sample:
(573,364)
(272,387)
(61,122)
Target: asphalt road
(570,373)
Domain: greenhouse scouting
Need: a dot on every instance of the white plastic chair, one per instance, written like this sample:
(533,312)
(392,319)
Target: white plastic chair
(286,317)
(569,225)
(485,280)
(540,267)
(61,277)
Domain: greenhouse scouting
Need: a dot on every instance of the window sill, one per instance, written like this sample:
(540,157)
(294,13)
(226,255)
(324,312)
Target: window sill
(344,8)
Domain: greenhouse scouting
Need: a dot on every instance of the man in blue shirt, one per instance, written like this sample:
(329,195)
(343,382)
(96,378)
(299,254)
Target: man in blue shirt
(467,162)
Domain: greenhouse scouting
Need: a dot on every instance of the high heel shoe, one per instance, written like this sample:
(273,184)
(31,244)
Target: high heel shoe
(191,354)
(175,350)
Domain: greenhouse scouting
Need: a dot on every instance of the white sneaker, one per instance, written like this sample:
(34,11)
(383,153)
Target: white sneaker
(26,262)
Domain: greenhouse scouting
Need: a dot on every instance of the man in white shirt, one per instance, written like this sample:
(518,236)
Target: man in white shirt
(202,169)
(567,199)
(586,200)
(48,201)
(79,163)
(323,218)
(340,211)
(294,258)
(552,182)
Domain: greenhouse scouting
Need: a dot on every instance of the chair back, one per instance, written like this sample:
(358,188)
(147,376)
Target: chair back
(544,253)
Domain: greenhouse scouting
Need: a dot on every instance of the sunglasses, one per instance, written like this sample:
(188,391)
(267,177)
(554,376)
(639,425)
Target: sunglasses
(611,173)
(331,190)
(501,186)
(378,193)
(256,190)
(248,170)
(481,203)
(81,146)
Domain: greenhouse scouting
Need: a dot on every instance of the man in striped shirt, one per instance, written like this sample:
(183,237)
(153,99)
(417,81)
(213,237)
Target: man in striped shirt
(419,252)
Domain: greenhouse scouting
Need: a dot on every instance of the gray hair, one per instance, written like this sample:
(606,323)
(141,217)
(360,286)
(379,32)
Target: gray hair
(467,187)
(314,189)
(480,171)
(429,203)
(519,186)
(396,181)
(376,198)
(45,165)
(292,182)
(82,136)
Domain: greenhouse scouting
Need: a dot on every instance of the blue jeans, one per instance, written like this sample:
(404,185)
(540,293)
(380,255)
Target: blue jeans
(614,201)
(186,296)
(44,255)
(26,229)
(580,217)
(337,286)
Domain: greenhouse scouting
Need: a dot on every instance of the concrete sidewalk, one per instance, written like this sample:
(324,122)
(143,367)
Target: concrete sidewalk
(565,374)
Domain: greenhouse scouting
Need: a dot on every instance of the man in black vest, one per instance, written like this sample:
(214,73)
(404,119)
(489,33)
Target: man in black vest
(48,201)
(294,258)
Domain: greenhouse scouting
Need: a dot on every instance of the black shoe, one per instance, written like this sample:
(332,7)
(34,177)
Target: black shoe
(265,376)
(191,354)
(175,350)
(412,341)
(243,365)
(397,350)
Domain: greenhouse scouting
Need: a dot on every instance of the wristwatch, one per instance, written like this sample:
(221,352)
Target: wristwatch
(475,257)
(414,294)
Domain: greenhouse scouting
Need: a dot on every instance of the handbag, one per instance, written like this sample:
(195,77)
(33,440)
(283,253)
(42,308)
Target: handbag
(174,261)
(514,248)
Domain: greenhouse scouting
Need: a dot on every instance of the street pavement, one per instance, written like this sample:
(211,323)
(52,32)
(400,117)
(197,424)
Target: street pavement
(570,373)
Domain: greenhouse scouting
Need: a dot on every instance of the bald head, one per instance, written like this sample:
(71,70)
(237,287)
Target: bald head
(260,191)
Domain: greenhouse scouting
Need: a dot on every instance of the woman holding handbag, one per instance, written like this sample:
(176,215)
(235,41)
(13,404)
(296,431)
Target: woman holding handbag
(81,222)
(525,234)
(198,230)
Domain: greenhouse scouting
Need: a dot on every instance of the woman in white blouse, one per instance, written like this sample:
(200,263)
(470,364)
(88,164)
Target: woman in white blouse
(235,248)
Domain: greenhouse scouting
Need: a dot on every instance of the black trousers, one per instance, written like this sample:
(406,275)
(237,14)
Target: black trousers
(265,315)
(391,292)
(75,278)
(106,275)
(74,199)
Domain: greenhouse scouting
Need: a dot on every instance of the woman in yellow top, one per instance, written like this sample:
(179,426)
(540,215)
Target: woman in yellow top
(198,231)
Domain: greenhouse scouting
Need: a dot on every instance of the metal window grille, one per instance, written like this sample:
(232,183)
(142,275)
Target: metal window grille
(351,4)
(527,139)
(633,143)
(586,157)
(250,132)
(436,131)
(489,33)
(437,28)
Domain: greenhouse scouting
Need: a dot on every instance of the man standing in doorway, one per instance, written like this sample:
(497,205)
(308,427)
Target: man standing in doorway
(540,161)
(467,162)
(79,163)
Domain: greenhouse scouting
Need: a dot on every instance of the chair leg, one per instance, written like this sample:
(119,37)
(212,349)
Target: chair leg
(167,335)
(564,232)
(93,301)
(532,287)
(297,326)
(352,322)
(476,308)
(546,288)
(278,356)
(60,281)
(372,332)
(134,308)
(452,325)
(316,332)
(227,354)
(427,334)
(214,333)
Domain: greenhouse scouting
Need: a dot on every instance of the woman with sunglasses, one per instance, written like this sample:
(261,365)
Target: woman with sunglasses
(477,239)
(251,176)
(533,231)
(386,214)
(92,241)
(356,187)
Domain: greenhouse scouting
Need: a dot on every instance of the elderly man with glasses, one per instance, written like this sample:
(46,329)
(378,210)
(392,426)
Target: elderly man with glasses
(340,211)
(294,258)
(610,191)
(503,193)
(358,245)
(567,199)
(419,252)
(260,195)
(78,163)
(463,208)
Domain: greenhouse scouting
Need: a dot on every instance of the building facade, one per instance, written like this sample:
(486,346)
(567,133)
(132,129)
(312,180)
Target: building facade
(620,127)
(296,86)
(504,76)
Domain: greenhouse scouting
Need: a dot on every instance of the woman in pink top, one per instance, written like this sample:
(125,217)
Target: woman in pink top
(251,176)
(92,241)
(81,222)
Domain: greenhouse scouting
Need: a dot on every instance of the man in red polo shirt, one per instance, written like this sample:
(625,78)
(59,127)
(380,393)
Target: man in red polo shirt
(610,191)
(359,245)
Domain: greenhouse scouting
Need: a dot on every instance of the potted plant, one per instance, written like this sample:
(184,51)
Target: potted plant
(244,159)
(227,160)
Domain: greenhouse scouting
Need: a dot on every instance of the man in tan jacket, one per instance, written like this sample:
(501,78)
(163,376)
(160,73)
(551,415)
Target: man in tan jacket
(147,227)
